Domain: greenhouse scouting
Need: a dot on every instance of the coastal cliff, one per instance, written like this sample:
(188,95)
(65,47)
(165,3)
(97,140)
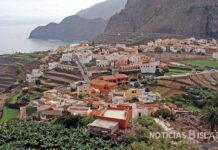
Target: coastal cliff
(83,26)
(71,28)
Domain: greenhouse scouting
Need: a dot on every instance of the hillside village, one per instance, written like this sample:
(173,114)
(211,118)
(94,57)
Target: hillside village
(118,84)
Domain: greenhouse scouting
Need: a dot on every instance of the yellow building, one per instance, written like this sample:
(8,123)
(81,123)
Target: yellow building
(167,42)
(51,94)
(94,92)
(83,90)
(131,93)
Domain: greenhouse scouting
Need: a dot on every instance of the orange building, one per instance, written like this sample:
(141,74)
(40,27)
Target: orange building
(119,113)
(103,86)
(117,78)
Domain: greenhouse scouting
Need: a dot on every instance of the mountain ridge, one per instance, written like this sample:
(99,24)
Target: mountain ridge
(144,20)
(103,10)
(70,29)
(80,27)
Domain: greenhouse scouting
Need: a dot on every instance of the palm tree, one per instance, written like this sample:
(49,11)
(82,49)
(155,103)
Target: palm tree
(210,116)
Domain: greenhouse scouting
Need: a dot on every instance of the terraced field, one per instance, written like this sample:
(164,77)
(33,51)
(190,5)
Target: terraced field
(168,87)
(62,78)
(7,76)
(203,81)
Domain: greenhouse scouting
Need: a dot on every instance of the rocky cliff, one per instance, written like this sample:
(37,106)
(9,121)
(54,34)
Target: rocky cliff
(143,20)
(71,28)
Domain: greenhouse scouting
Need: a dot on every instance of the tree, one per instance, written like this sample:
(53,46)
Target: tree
(159,50)
(213,101)
(210,116)
(37,82)
(136,84)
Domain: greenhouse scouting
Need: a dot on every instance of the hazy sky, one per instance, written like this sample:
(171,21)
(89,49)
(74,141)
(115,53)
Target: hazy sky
(41,9)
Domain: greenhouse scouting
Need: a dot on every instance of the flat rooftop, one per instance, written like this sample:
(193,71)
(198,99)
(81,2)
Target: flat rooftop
(104,124)
(117,114)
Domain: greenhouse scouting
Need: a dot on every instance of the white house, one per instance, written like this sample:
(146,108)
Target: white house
(103,63)
(150,44)
(67,57)
(85,59)
(35,74)
(116,56)
(149,97)
(215,55)
(176,48)
(201,41)
(149,67)
(200,51)
(138,110)
(135,59)
(76,84)
(52,65)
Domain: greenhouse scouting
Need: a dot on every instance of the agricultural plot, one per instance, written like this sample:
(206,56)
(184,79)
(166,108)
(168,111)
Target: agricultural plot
(173,71)
(8,114)
(202,63)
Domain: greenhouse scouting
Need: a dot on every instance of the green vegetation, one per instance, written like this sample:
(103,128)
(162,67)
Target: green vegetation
(69,121)
(173,71)
(139,138)
(148,121)
(33,135)
(203,63)
(166,114)
(9,113)
(210,116)
(192,109)
(148,81)
(16,97)
(30,110)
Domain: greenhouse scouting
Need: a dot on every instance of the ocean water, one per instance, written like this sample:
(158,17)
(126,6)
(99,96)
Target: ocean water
(14,38)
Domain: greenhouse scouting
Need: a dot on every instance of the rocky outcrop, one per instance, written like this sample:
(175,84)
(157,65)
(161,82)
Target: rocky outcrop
(144,20)
(70,29)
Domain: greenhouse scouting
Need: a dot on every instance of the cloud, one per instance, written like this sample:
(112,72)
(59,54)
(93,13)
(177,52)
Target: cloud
(17,9)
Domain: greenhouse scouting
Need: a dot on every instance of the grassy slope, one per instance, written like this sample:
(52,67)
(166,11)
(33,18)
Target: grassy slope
(177,71)
(16,97)
(8,114)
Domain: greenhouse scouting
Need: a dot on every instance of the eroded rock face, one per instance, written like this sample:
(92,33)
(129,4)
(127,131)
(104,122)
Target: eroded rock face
(71,28)
(148,19)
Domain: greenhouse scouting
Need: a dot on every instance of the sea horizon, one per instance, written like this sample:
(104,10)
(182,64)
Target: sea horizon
(14,39)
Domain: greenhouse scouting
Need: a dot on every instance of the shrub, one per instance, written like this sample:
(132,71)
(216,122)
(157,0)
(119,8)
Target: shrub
(166,114)
(146,120)
(129,138)
(142,134)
